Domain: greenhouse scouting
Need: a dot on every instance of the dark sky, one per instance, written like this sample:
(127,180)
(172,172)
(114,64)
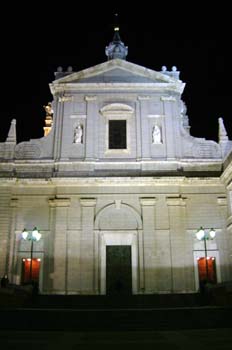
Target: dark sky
(32,53)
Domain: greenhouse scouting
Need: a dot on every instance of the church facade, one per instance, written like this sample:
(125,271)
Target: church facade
(117,188)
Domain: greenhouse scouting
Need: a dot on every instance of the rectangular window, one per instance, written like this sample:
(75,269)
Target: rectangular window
(117,134)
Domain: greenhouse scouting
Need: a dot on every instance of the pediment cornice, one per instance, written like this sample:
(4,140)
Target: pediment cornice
(154,78)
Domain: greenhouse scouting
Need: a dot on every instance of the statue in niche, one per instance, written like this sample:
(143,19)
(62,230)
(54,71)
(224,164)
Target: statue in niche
(48,109)
(78,134)
(184,117)
(156,135)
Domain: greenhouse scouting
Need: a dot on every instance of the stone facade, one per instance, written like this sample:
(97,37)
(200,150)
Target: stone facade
(85,195)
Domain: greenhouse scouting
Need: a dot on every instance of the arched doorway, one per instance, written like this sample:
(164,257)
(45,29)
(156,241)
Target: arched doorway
(117,228)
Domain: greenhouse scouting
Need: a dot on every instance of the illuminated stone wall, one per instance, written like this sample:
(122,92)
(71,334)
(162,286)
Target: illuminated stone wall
(157,217)
(153,195)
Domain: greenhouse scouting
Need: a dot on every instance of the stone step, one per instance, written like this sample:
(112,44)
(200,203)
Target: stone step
(42,319)
(124,301)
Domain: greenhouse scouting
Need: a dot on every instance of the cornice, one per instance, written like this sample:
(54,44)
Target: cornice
(97,87)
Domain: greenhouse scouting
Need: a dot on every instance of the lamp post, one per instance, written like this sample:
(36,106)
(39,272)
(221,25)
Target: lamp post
(202,235)
(33,236)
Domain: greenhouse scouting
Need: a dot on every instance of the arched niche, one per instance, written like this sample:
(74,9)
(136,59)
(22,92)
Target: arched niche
(118,216)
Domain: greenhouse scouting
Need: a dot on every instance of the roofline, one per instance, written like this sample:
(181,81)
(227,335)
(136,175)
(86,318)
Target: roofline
(98,69)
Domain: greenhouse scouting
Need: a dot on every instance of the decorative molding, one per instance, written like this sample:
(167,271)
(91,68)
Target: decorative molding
(90,98)
(148,201)
(143,98)
(222,200)
(14,202)
(113,109)
(176,201)
(75,116)
(59,202)
(168,98)
(114,152)
(66,99)
(88,202)
(155,116)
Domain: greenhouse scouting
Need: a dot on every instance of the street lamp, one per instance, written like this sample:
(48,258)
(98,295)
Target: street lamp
(202,235)
(33,236)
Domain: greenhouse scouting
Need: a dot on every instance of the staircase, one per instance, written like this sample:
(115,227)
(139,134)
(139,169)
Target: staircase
(102,313)
(115,302)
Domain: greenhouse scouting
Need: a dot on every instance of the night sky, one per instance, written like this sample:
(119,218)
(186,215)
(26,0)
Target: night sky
(34,50)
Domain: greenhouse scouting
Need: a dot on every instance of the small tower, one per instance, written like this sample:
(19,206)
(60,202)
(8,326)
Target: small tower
(49,118)
(116,48)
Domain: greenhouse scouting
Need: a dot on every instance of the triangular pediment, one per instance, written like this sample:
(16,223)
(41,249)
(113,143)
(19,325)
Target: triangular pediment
(116,71)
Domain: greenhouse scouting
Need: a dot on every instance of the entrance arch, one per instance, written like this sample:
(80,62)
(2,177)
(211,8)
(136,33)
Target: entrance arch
(118,239)
(118,225)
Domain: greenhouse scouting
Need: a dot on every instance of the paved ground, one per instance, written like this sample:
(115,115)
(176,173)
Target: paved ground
(207,339)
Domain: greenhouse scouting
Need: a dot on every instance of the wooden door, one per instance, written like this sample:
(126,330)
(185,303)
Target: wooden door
(118,270)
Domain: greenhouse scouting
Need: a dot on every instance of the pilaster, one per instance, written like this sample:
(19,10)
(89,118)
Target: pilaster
(145,141)
(91,128)
(12,242)
(87,254)
(148,216)
(57,250)
(138,131)
(178,244)
(224,242)
(168,111)
(58,128)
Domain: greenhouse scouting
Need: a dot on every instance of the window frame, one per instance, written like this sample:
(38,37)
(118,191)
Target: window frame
(118,111)
(123,134)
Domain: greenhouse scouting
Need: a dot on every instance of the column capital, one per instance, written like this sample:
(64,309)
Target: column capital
(143,98)
(90,98)
(59,202)
(222,201)
(148,201)
(88,202)
(168,98)
(176,201)
(66,99)
(14,202)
